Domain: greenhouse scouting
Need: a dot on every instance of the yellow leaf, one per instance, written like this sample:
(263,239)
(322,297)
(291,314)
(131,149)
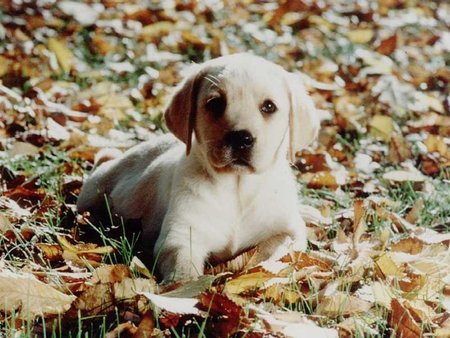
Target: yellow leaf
(381,126)
(63,54)
(436,144)
(156,30)
(281,293)
(387,266)
(247,281)
(360,35)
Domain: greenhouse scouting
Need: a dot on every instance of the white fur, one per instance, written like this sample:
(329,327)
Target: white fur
(191,211)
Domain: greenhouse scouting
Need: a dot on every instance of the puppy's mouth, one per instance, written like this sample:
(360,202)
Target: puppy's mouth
(224,159)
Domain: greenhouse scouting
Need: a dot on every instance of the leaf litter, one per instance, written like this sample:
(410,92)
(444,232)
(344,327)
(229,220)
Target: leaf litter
(77,77)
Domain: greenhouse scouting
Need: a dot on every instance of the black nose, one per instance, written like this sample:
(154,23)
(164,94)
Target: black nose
(239,139)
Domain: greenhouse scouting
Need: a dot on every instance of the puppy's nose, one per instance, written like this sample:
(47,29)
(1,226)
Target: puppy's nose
(239,139)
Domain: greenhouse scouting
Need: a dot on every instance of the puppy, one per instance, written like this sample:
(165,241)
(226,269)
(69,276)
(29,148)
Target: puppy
(227,186)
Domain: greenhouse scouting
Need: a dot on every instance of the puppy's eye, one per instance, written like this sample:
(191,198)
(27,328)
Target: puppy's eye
(216,106)
(268,107)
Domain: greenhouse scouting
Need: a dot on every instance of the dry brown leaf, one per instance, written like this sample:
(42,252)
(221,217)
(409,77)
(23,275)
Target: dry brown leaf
(79,261)
(52,252)
(246,260)
(409,245)
(110,273)
(399,149)
(414,214)
(123,329)
(387,46)
(302,260)
(146,326)
(402,322)
(281,294)
(359,226)
(96,299)
(30,297)
(412,282)
(341,304)
(128,288)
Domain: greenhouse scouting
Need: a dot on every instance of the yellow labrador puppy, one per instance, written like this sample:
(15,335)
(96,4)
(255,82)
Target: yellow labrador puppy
(227,185)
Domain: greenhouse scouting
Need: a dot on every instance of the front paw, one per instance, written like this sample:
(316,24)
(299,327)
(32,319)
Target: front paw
(177,264)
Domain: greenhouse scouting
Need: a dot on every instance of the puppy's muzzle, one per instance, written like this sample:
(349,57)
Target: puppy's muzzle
(241,143)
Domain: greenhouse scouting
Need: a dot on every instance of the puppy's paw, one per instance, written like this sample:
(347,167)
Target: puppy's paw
(177,264)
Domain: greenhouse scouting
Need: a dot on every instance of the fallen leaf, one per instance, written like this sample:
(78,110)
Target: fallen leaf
(52,252)
(224,314)
(399,149)
(436,143)
(341,304)
(402,322)
(191,288)
(363,35)
(172,304)
(96,299)
(23,149)
(381,126)
(358,327)
(63,54)
(146,326)
(30,297)
(128,288)
(247,281)
(388,45)
(156,30)
(122,330)
(137,265)
(110,273)
(403,176)
(414,214)
(387,267)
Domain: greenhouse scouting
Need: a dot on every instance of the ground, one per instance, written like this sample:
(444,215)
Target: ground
(76,77)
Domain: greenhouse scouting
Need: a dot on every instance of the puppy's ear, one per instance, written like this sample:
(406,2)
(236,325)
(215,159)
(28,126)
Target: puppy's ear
(181,111)
(304,122)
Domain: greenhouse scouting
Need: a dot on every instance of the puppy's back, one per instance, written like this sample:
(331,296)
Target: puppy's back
(129,167)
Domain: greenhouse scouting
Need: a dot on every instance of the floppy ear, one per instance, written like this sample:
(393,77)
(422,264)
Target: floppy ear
(181,111)
(304,122)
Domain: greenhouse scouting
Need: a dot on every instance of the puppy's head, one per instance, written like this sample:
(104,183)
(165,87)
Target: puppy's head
(244,112)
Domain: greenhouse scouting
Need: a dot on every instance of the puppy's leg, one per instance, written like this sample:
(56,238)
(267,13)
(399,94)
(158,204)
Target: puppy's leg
(180,256)
(298,233)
